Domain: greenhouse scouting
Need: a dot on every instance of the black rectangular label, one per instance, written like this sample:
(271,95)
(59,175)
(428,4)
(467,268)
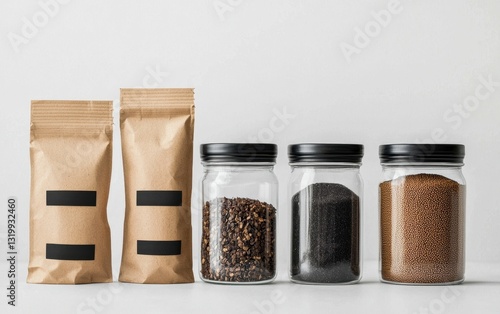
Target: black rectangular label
(159,198)
(70,252)
(71,198)
(158,247)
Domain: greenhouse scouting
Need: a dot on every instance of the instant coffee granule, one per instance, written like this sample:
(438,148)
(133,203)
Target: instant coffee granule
(238,240)
(331,238)
(422,229)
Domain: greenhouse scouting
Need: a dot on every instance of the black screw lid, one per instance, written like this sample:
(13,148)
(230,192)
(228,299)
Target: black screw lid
(238,152)
(445,153)
(313,152)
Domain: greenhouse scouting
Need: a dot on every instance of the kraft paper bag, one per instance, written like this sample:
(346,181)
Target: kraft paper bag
(70,150)
(157,127)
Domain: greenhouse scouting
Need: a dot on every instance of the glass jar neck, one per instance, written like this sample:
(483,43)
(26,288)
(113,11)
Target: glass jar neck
(325,165)
(434,165)
(242,166)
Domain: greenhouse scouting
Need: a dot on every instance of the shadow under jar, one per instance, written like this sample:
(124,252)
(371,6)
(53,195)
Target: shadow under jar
(238,225)
(422,214)
(325,190)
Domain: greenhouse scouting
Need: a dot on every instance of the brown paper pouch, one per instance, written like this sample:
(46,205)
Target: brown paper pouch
(157,145)
(70,149)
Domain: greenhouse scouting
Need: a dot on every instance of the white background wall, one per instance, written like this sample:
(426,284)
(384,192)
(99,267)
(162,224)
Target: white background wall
(248,60)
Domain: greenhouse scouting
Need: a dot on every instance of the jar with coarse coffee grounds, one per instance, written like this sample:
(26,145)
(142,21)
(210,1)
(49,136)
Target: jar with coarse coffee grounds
(422,214)
(326,192)
(238,223)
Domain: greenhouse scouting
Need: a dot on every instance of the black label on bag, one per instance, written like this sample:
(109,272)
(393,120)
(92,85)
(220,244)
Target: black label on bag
(71,198)
(159,198)
(158,247)
(70,252)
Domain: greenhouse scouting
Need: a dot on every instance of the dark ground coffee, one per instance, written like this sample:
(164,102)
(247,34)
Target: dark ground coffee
(331,252)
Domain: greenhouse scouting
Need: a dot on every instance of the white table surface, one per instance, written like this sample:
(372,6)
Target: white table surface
(479,294)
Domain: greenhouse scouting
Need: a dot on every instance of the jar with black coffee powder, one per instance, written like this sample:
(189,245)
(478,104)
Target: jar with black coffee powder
(240,197)
(326,200)
(422,214)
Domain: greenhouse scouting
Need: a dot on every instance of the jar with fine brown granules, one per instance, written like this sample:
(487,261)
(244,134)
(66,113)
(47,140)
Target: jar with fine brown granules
(422,214)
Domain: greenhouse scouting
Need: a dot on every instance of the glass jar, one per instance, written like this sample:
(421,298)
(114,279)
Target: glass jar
(240,197)
(422,214)
(326,194)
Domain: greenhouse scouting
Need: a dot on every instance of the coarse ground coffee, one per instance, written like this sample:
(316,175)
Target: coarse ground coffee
(238,240)
(331,236)
(422,229)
